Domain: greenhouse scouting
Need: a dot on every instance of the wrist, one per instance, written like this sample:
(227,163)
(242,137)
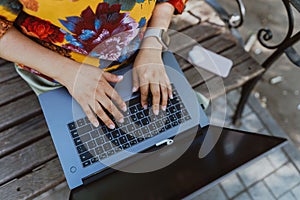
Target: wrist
(151,43)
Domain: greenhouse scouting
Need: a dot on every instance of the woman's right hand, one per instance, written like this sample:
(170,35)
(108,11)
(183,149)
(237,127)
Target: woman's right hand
(90,87)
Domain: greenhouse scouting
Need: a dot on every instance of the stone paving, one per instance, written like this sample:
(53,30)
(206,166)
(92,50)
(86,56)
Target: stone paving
(275,176)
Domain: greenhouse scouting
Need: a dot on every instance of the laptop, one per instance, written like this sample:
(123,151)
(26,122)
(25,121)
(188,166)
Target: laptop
(84,150)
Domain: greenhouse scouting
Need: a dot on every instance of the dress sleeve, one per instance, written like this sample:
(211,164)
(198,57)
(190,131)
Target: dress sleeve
(9,10)
(179,5)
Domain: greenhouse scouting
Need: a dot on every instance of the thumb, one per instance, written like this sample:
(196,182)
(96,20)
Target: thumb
(112,77)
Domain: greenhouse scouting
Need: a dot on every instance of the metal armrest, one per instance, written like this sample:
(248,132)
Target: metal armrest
(232,21)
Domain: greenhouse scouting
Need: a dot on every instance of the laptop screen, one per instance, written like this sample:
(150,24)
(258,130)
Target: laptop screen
(187,174)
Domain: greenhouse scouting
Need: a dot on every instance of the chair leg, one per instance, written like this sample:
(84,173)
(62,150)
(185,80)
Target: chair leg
(246,91)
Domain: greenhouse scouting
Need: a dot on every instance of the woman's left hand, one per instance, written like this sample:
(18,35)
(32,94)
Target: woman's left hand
(149,74)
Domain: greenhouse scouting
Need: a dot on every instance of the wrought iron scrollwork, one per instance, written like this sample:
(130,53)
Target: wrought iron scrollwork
(265,34)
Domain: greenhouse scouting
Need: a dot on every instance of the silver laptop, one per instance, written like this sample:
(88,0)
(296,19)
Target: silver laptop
(84,150)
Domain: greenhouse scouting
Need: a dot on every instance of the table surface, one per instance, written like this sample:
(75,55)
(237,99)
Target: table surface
(29,164)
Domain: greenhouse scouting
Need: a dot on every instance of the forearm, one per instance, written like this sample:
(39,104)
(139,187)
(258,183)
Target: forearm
(161,18)
(15,47)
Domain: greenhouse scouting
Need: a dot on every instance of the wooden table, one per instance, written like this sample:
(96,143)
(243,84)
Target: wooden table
(29,165)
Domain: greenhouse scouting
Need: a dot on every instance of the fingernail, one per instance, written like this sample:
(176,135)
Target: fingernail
(120,77)
(111,126)
(124,108)
(134,89)
(95,123)
(164,108)
(121,120)
(155,112)
(171,96)
(145,107)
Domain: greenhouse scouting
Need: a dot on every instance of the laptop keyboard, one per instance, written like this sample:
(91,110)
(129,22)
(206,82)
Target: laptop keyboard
(98,143)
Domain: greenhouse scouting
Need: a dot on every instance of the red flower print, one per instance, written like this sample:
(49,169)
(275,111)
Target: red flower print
(42,29)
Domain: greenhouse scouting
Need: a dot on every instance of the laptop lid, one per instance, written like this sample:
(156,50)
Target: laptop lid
(187,176)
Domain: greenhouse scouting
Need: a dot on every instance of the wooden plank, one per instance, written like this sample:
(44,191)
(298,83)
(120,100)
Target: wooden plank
(7,71)
(22,134)
(25,160)
(238,76)
(18,111)
(237,54)
(35,183)
(192,36)
(219,43)
(13,89)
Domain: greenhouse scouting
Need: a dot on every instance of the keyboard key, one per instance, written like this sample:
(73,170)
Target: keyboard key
(130,136)
(175,123)
(77,141)
(145,130)
(103,156)
(137,133)
(151,127)
(80,122)
(95,134)
(81,149)
(118,149)
(104,129)
(173,118)
(179,115)
(133,109)
(71,126)
(125,146)
(107,146)
(110,152)
(100,140)
(133,142)
(145,121)
(172,109)
(168,126)
(85,138)
(123,139)
(109,137)
(140,115)
(85,156)
(86,163)
(140,139)
(115,134)
(92,144)
(134,118)
(99,150)
(187,118)
(84,129)
(115,142)
(93,160)
(74,133)
(130,128)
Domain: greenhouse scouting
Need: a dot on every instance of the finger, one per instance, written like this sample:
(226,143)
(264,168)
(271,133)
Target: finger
(164,96)
(90,115)
(103,116)
(112,77)
(111,108)
(135,81)
(169,86)
(110,92)
(144,90)
(155,90)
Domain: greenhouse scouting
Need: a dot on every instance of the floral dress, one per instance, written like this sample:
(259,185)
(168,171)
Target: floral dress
(103,33)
